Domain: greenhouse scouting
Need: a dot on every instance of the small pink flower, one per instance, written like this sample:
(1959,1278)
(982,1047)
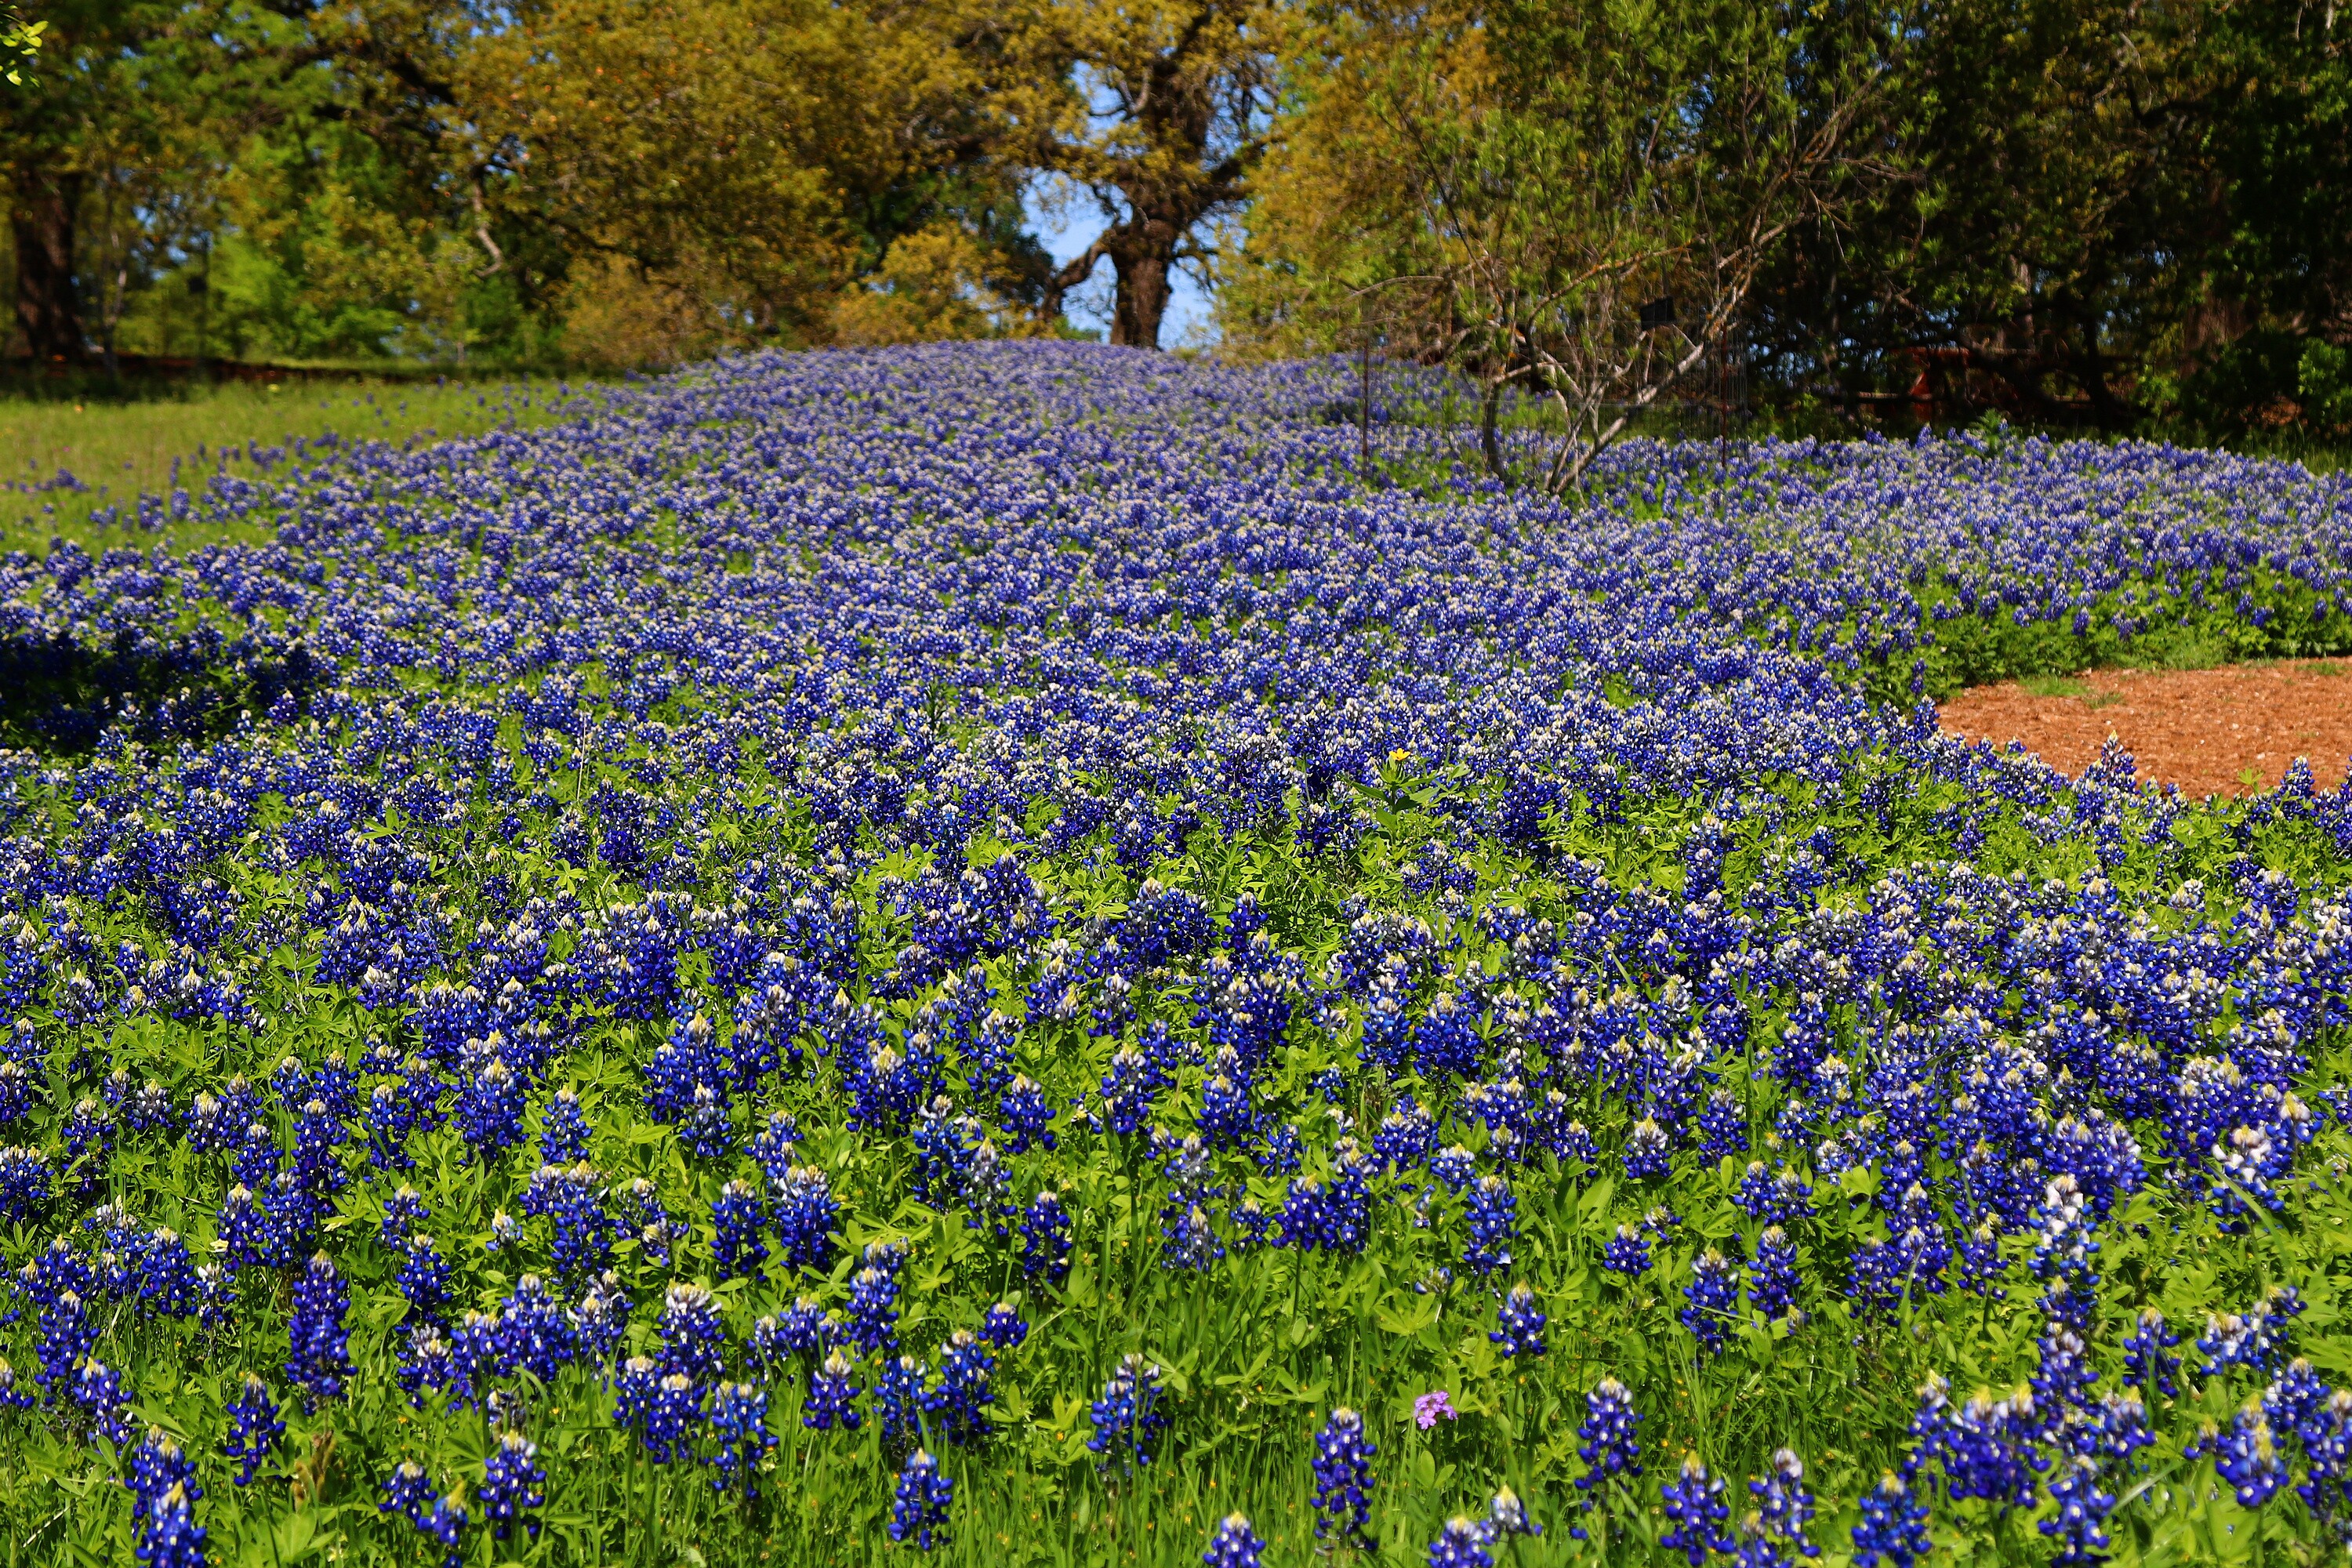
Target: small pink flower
(1429,1406)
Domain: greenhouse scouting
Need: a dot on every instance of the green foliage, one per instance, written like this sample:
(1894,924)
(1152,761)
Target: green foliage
(176,436)
(2180,625)
(2100,214)
(1255,1354)
(560,181)
(20,46)
(2323,381)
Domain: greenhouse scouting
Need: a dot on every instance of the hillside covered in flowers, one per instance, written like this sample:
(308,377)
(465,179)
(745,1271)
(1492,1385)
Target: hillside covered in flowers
(997,950)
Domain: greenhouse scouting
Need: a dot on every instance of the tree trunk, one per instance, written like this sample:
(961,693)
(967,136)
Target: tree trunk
(1144,256)
(42,220)
(1141,300)
(1490,444)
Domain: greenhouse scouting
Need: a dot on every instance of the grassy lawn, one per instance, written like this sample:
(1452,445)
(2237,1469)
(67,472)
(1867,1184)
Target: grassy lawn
(175,437)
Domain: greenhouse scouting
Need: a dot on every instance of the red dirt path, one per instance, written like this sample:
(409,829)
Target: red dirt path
(2198,728)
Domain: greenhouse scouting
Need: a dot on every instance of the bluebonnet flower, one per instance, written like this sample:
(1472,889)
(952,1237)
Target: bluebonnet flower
(1775,1528)
(2245,1454)
(513,1486)
(563,1130)
(2110,1432)
(1778,1198)
(1519,1324)
(1445,1041)
(1228,1120)
(423,1279)
(445,1523)
(1235,1544)
(600,1321)
(1046,1239)
(1460,1544)
(873,1299)
(633,1387)
(1127,1421)
(2258,1338)
(247,1234)
(770,1347)
(739,1420)
(736,1221)
(408,1491)
(832,1397)
(97,1393)
(318,1357)
(168,1286)
(1494,1223)
(1713,1298)
(255,1427)
(424,1361)
(2062,1375)
(1985,1446)
(1343,1478)
(899,1402)
(1130,1091)
(1024,1116)
(257,1161)
(2326,1433)
(1772,1282)
(1003,1326)
(2294,1397)
(1610,1445)
(1894,1527)
(804,1329)
(672,1419)
(693,1340)
(1694,1501)
(1627,1253)
(1507,1516)
(1645,1150)
(774,1146)
(1251,1225)
(317,1137)
(2065,1244)
(89,1146)
(805,1214)
(534,1332)
(572,1200)
(1406,1136)
(2082,1509)
(1279,1155)
(159,1464)
(422,1088)
(1722,1127)
(169,1535)
(489,1108)
(959,1403)
(2145,1359)
(403,1212)
(1189,1241)
(919,1508)
(66,1338)
(26,1183)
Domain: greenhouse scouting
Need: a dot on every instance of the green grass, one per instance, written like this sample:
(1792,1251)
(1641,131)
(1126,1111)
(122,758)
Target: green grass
(2067,686)
(178,435)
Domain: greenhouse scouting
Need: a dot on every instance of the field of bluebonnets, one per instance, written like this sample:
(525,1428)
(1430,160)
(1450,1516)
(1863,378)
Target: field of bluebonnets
(997,952)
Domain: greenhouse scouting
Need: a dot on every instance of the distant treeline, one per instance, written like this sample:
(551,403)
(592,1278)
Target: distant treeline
(2103,213)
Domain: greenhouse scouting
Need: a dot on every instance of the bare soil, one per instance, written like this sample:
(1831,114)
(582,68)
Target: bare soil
(2212,732)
